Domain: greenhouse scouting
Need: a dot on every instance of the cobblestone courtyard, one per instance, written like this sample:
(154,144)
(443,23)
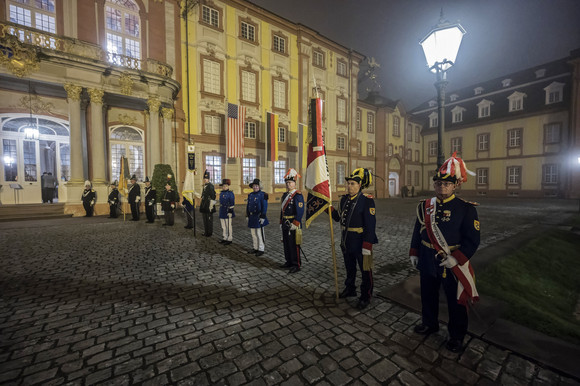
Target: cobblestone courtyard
(96,300)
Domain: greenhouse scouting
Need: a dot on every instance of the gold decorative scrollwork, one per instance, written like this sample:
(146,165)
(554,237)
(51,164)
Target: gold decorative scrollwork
(126,83)
(154,103)
(19,59)
(126,120)
(167,113)
(96,95)
(35,104)
(73,92)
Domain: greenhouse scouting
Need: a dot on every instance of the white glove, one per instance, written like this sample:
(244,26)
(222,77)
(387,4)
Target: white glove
(247,219)
(172,206)
(280,226)
(229,215)
(448,262)
(138,198)
(366,252)
(414,260)
(293,227)
(92,202)
(262,221)
(150,203)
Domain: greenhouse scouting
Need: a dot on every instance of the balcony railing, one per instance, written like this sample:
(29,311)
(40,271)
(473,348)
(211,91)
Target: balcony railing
(48,41)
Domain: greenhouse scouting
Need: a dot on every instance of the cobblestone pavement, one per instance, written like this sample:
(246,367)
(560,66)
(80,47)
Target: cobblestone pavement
(96,300)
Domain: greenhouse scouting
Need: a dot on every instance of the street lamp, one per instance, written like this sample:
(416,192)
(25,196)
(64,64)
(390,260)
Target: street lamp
(440,47)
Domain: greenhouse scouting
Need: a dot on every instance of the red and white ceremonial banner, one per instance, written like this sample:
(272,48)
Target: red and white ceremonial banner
(317,179)
(235,131)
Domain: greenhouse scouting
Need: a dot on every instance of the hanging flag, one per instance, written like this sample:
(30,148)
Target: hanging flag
(189,186)
(123,176)
(271,137)
(302,147)
(235,133)
(317,177)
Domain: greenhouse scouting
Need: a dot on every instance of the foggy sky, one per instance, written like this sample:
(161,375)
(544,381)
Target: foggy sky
(503,36)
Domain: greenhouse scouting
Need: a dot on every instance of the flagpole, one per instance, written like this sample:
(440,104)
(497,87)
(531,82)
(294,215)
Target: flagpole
(333,251)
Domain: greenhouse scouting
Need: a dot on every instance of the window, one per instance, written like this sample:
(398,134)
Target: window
(433,149)
(318,58)
(39,14)
(10,159)
(506,82)
(390,150)
(396,126)
(433,120)
(29,152)
(370,149)
(65,162)
(210,16)
(417,134)
(212,124)
(482,176)
(514,138)
(249,86)
(127,142)
(477,90)
(281,134)
(279,172)
(341,67)
(409,133)
(123,30)
(340,143)
(409,154)
(358,118)
(249,170)
(484,108)
(456,145)
(408,180)
(483,142)
(417,155)
(279,44)
(516,101)
(341,109)
(212,76)
(279,94)
(248,31)
(370,123)
(250,130)
(513,175)
(213,164)
(550,174)
(540,73)
(416,178)
(453,97)
(358,149)
(457,114)
(340,173)
(432,103)
(554,92)
(552,133)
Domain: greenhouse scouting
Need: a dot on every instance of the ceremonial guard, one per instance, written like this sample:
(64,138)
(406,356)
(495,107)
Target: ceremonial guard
(291,212)
(88,199)
(207,205)
(113,200)
(445,237)
(357,221)
(150,200)
(168,202)
(256,214)
(134,197)
(227,202)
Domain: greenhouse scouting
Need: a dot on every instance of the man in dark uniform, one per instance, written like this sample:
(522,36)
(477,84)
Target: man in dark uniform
(134,198)
(50,183)
(114,201)
(445,237)
(168,203)
(226,213)
(256,210)
(357,220)
(150,199)
(88,199)
(207,205)
(291,212)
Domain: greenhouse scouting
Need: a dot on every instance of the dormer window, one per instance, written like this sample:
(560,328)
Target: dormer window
(478,90)
(540,73)
(453,97)
(554,92)
(484,108)
(433,119)
(516,101)
(432,103)
(457,114)
(506,82)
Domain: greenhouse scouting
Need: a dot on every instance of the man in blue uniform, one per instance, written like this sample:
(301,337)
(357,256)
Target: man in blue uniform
(227,202)
(134,198)
(256,214)
(291,212)
(357,219)
(207,205)
(150,198)
(445,237)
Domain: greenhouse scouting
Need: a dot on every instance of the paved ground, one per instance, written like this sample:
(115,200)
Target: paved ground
(94,300)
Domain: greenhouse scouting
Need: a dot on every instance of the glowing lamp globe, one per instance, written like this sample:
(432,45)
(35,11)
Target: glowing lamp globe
(441,46)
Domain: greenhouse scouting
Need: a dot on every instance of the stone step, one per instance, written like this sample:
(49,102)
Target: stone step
(31,212)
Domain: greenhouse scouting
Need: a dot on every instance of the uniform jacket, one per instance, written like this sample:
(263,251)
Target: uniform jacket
(134,192)
(457,219)
(256,209)
(207,195)
(227,202)
(169,197)
(89,196)
(357,214)
(186,204)
(293,210)
(150,195)
(114,197)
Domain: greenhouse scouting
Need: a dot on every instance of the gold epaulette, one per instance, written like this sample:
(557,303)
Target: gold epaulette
(469,202)
(368,195)
(299,192)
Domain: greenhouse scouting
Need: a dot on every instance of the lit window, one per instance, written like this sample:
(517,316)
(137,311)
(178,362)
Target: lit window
(10,159)
(213,164)
(250,130)
(211,76)
(279,172)
(210,16)
(127,142)
(39,14)
(514,138)
(212,124)
(122,26)
(249,170)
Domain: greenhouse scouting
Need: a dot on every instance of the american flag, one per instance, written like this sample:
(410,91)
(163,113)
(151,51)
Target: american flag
(235,133)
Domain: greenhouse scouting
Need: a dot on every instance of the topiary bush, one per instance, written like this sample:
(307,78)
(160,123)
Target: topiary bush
(159,179)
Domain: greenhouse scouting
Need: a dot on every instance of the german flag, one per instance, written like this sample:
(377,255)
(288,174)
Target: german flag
(271,137)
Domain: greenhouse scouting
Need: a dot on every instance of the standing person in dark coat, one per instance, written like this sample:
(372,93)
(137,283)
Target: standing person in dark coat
(43,186)
(256,215)
(113,200)
(227,202)
(207,205)
(357,221)
(445,237)
(134,198)
(188,210)
(51,183)
(150,199)
(291,212)
(89,198)
(169,202)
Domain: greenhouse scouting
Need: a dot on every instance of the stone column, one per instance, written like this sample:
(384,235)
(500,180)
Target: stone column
(98,162)
(76,141)
(168,156)
(154,145)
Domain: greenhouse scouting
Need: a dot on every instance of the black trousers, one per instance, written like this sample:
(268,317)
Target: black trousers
(430,304)
(207,223)
(189,217)
(149,211)
(169,217)
(351,260)
(113,211)
(135,210)
(291,251)
(88,209)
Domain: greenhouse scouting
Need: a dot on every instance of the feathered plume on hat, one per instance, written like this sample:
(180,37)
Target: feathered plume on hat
(454,170)
(291,175)
(87,182)
(362,176)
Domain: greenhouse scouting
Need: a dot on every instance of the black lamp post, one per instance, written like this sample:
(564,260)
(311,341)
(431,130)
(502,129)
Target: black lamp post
(440,47)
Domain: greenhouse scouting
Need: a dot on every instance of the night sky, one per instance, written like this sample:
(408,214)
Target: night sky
(503,36)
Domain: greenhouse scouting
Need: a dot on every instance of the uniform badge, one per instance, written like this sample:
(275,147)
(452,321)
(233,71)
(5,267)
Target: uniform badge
(446,215)
(300,204)
(372,210)
(476,224)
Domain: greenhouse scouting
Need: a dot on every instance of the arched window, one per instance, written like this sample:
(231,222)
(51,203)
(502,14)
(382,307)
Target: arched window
(123,29)
(127,142)
(39,14)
